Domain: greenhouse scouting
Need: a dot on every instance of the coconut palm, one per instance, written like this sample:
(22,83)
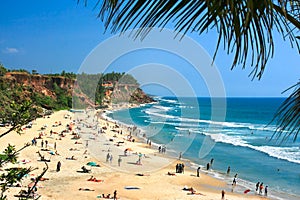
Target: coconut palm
(245,28)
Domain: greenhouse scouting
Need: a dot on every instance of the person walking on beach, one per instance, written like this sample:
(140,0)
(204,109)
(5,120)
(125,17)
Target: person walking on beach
(180,156)
(261,187)
(223,194)
(198,172)
(234,181)
(42,143)
(211,162)
(207,166)
(257,186)
(58,166)
(46,144)
(55,145)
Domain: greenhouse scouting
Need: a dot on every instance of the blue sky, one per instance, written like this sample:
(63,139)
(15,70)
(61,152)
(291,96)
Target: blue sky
(51,36)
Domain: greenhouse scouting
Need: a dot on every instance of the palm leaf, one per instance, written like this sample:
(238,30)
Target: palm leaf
(288,115)
(245,29)
(245,26)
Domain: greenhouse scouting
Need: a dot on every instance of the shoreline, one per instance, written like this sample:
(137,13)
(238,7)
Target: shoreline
(192,166)
(66,183)
(219,175)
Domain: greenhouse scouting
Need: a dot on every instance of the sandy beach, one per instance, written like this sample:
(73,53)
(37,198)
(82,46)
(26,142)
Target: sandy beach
(136,169)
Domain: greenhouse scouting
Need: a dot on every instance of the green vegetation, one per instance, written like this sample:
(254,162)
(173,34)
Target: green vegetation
(65,90)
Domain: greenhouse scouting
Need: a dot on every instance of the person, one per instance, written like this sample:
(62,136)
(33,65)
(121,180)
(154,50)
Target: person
(115,195)
(198,172)
(180,156)
(110,158)
(234,181)
(266,190)
(261,187)
(228,170)
(119,161)
(257,186)
(207,166)
(42,143)
(46,142)
(223,194)
(211,162)
(55,145)
(107,157)
(58,166)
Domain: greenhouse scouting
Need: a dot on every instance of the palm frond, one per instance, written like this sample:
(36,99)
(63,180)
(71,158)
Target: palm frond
(287,116)
(245,27)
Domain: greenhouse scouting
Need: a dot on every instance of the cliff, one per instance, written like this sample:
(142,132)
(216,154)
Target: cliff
(40,83)
(59,92)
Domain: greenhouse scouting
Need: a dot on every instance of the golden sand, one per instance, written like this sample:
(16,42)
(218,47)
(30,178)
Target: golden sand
(66,184)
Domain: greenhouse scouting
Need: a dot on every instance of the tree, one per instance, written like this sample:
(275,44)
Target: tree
(245,27)
(17,115)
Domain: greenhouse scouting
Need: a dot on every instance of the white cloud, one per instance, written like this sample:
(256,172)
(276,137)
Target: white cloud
(10,50)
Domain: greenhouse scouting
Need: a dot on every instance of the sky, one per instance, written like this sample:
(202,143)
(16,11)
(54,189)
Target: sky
(53,35)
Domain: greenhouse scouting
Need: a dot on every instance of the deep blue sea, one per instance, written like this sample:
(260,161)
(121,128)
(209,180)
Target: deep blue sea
(236,132)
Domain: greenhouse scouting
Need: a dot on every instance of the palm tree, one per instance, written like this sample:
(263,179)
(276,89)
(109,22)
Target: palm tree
(245,27)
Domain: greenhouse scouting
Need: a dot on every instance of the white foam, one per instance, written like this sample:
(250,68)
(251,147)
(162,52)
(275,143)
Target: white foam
(291,154)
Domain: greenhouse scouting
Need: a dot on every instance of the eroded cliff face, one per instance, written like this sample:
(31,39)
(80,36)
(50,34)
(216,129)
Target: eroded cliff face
(41,83)
(47,85)
(129,93)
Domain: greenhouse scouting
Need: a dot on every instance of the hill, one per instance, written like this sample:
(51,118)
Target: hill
(67,90)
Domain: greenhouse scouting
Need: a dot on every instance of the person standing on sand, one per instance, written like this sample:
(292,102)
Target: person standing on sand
(107,157)
(180,156)
(46,142)
(182,168)
(58,166)
(42,143)
(119,161)
(55,145)
(223,194)
(115,195)
(110,158)
(198,172)
(266,190)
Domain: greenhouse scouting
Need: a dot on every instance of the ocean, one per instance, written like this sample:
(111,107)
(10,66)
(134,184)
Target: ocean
(235,132)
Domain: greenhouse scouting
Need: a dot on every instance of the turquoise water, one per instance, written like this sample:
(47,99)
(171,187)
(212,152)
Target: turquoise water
(236,133)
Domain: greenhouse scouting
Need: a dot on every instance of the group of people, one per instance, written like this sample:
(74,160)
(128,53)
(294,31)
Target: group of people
(179,168)
(259,187)
(162,149)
